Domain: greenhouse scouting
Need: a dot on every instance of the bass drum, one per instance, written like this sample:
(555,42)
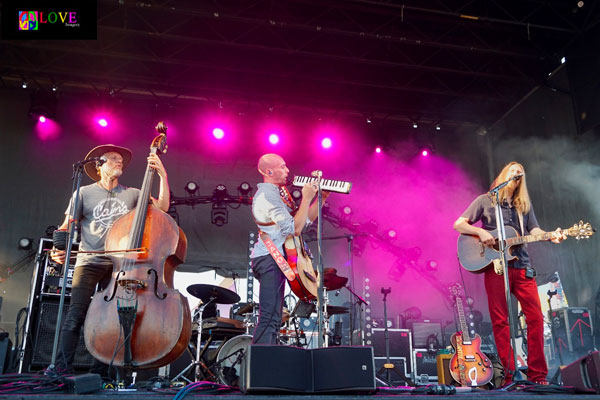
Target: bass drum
(230,358)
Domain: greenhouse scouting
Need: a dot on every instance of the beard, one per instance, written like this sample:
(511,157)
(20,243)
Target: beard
(114,173)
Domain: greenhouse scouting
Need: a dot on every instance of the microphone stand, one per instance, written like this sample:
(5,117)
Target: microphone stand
(359,300)
(77,173)
(322,317)
(516,374)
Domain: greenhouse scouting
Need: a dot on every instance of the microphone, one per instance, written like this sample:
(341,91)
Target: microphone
(317,173)
(98,160)
(517,177)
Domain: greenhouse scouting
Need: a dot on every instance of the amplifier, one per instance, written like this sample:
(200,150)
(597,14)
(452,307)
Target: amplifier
(423,330)
(425,365)
(400,345)
(574,332)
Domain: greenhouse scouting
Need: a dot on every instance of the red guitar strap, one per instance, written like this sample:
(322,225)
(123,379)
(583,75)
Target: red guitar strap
(273,250)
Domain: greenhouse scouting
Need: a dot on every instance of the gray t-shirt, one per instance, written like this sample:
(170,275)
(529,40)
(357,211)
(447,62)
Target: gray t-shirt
(98,210)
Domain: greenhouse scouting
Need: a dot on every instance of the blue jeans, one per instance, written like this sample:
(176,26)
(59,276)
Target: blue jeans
(272,284)
(85,280)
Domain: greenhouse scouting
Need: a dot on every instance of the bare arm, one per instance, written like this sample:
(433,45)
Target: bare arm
(462,226)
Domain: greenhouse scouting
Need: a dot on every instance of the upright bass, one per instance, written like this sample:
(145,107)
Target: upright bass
(140,320)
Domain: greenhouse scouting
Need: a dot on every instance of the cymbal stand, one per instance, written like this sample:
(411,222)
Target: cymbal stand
(196,363)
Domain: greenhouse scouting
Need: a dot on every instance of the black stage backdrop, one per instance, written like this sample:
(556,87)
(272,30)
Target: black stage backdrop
(563,170)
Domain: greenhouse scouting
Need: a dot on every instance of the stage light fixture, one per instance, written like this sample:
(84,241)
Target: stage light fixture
(218,133)
(377,149)
(415,126)
(346,211)
(42,119)
(24,84)
(273,138)
(220,191)
(326,143)
(244,188)
(391,234)
(431,265)
(369,119)
(219,214)
(54,88)
(191,187)
(25,243)
(438,127)
(425,152)
(563,60)
(103,122)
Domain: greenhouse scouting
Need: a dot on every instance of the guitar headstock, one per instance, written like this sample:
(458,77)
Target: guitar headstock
(456,290)
(159,144)
(581,230)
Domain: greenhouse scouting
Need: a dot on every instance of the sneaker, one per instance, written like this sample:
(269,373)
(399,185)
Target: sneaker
(55,370)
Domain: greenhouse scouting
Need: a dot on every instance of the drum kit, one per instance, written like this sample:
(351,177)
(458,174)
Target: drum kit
(236,335)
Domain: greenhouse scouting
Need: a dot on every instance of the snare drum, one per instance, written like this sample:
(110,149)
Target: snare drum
(230,358)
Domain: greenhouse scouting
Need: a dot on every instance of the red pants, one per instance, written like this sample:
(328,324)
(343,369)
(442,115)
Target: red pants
(525,290)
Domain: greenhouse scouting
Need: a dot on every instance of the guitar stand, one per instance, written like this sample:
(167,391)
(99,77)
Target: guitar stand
(556,375)
(388,367)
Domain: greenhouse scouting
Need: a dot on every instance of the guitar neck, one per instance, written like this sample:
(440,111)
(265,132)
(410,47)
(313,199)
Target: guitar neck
(529,238)
(463,321)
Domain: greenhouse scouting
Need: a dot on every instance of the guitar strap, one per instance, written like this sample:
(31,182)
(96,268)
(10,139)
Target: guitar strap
(280,260)
(521,223)
(498,262)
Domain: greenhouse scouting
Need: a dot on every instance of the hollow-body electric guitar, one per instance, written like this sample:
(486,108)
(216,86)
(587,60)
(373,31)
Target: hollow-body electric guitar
(468,366)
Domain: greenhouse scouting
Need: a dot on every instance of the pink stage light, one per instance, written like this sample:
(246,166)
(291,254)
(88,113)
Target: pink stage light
(377,149)
(273,138)
(218,133)
(425,152)
(103,122)
(42,119)
(326,143)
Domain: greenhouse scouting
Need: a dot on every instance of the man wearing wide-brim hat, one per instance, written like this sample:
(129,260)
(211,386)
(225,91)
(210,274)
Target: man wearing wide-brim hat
(100,205)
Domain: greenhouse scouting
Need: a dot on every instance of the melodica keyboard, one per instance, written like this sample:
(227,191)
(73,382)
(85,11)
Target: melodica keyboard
(330,185)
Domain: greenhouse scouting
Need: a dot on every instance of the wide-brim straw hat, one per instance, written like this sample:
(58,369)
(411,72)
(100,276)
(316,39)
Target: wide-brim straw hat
(98,151)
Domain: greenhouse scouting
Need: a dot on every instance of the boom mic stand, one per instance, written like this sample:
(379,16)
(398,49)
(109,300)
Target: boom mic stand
(516,374)
(77,173)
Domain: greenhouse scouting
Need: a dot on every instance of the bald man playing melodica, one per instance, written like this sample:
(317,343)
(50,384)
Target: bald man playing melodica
(277,217)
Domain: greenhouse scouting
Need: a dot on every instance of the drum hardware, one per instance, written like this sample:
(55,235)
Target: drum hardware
(229,359)
(209,294)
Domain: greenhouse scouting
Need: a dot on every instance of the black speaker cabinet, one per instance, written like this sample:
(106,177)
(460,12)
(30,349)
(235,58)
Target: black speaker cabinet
(584,374)
(343,369)
(282,368)
(5,353)
(270,368)
(43,339)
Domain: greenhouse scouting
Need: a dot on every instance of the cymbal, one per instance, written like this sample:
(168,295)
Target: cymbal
(333,281)
(218,294)
(331,310)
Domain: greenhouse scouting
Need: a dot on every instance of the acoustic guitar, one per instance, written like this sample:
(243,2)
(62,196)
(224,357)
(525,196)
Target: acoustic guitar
(474,256)
(468,366)
(306,282)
